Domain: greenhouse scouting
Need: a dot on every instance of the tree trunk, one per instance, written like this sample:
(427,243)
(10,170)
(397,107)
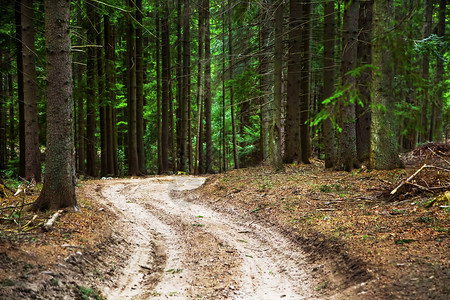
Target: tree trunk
(111,136)
(277,161)
(80,95)
(140,89)
(305,66)
(383,150)
(91,84)
(165,89)
(132,153)
(59,185)
(230,69)
(199,147)
(181,98)
(208,96)
(329,83)
(187,83)
(264,83)
(425,70)
(436,132)
(12,126)
(347,139)
(363,80)
(158,91)
(101,95)
(292,125)
(20,96)
(32,152)
(3,151)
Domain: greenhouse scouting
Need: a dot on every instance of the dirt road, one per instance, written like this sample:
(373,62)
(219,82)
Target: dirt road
(183,250)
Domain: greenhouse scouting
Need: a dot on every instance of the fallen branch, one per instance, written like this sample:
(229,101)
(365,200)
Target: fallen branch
(408,180)
(418,186)
(438,155)
(49,224)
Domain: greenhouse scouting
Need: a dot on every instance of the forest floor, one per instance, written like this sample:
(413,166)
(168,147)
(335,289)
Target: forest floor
(305,233)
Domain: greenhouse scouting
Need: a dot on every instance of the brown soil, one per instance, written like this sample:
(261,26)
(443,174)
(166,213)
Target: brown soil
(245,234)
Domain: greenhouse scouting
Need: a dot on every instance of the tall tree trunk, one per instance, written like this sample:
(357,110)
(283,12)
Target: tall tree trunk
(140,88)
(187,82)
(80,95)
(165,89)
(101,95)
(264,81)
(181,97)
(12,122)
(383,150)
(3,151)
(20,96)
(132,153)
(329,83)
(347,139)
(208,96)
(59,185)
(436,133)
(230,70)
(363,80)
(91,84)
(111,136)
(32,153)
(201,36)
(277,161)
(223,165)
(158,90)
(425,70)
(305,66)
(292,125)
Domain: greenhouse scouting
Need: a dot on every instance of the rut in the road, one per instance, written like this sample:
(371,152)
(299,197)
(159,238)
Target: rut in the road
(206,253)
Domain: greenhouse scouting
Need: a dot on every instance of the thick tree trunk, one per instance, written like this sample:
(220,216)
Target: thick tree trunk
(277,161)
(59,185)
(347,139)
(292,125)
(91,95)
(165,89)
(383,150)
(140,89)
(329,83)
(363,81)
(32,153)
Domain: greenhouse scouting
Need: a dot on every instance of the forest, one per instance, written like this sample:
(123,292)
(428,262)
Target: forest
(161,87)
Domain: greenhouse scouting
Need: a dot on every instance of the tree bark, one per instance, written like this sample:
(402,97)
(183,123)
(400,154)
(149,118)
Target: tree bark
(305,66)
(329,83)
(187,84)
(58,190)
(436,132)
(363,80)
(230,70)
(32,152)
(347,139)
(20,96)
(91,95)
(140,89)
(208,96)
(80,95)
(132,153)
(264,82)
(101,95)
(425,71)
(383,150)
(292,125)
(3,151)
(277,161)
(165,89)
(158,90)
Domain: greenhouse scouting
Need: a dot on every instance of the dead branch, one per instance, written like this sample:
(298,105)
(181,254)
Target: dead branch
(418,186)
(49,224)
(438,155)
(408,180)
